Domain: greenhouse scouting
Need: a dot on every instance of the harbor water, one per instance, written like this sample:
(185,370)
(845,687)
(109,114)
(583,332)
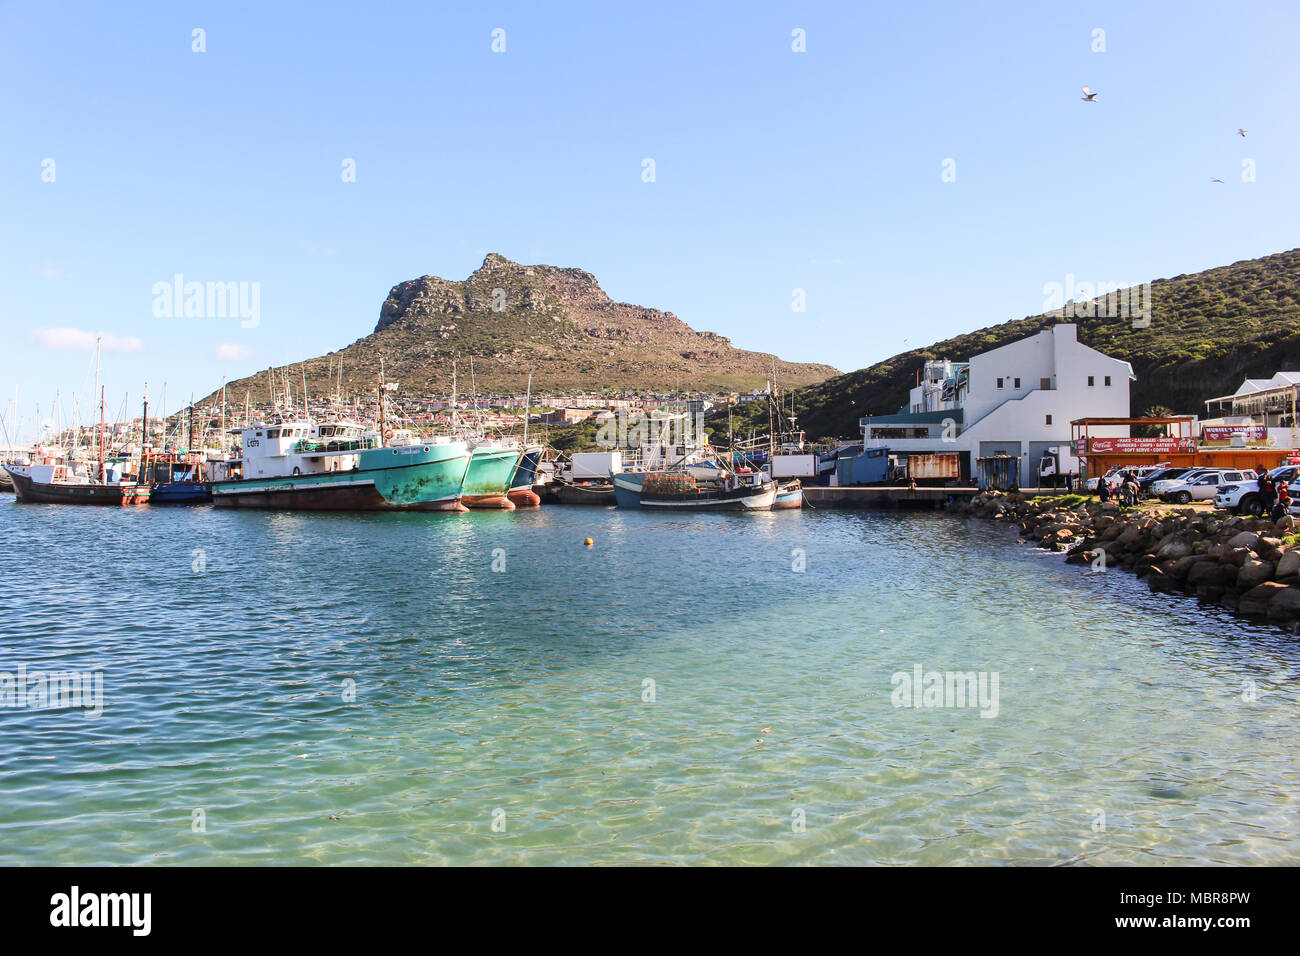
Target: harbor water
(426,688)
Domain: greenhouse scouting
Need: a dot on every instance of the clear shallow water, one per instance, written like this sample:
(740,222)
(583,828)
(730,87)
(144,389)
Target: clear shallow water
(522,691)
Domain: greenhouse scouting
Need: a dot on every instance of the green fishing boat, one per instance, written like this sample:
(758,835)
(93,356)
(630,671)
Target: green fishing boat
(487,482)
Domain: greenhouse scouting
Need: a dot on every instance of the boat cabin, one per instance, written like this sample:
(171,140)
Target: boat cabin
(293,448)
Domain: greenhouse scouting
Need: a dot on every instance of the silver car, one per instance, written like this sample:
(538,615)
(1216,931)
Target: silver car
(1203,486)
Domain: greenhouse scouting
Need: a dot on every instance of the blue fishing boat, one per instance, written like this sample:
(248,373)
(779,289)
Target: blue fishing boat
(789,496)
(176,482)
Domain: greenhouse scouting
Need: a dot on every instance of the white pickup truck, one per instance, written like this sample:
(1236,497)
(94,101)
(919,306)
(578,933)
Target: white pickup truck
(1243,497)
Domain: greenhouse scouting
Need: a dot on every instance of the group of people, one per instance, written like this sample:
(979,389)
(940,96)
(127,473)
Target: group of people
(1276,497)
(1123,487)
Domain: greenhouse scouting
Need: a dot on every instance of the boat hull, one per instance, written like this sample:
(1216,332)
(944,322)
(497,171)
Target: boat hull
(386,479)
(521,492)
(743,499)
(598,495)
(68,494)
(789,497)
(627,488)
(487,482)
(180,493)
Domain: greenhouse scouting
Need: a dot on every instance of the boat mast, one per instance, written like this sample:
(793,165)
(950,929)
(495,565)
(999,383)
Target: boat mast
(222,447)
(383,417)
(528,401)
(144,436)
(473,384)
(99,388)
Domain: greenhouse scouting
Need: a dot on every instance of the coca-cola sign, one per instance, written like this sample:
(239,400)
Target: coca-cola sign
(1135,446)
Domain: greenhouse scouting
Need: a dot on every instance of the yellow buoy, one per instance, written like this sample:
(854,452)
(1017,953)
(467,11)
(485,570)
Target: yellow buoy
(588,542)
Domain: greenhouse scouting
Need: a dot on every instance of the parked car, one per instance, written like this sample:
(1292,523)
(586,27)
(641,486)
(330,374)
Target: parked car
(1161,474)
(1112,476)
(1091,483)
(1162,485)
(1243,497)
(1204,486)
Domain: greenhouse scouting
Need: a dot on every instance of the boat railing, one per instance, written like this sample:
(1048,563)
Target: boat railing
(305,446)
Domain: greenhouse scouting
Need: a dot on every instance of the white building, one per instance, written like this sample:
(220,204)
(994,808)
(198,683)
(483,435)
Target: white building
(1015,400)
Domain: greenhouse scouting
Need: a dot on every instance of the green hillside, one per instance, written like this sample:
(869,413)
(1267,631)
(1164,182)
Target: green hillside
(1208,331)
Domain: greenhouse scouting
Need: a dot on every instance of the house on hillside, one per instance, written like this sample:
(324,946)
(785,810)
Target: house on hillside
(1016,400)
(566,416)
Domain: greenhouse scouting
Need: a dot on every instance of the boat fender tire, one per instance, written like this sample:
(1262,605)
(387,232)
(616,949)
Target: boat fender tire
(296,471)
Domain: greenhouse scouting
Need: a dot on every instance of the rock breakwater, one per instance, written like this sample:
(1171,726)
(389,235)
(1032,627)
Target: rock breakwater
(1249,565)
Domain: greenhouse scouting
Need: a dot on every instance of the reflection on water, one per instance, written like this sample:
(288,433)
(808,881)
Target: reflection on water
(678,693)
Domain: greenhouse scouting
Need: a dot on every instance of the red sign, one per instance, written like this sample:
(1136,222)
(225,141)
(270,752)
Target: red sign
(1224,433)
(1138,446)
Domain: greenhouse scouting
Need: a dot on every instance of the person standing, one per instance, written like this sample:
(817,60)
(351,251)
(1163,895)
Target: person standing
(1267,493)
(1283,506)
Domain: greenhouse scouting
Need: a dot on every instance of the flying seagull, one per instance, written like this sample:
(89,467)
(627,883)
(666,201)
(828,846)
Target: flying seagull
(1089,96)
(1241,133)
(1214,180)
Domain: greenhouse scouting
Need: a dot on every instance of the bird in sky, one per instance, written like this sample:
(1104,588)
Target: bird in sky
(1089,96)
(1241,133)
(1216,180)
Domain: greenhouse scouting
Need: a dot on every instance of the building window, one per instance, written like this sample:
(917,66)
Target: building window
(1045,384)
(999,383)
(1017,381)
(1091,381)
(1107,380)
(1049,419)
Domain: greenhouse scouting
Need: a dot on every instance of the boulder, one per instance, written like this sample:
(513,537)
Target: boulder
(1285,604)
(1255,602)
(1288,564)
(1246,539)
(1253,573)
(1210,573)
(1129,534)
(1237,556)
(1178,547)
(1285,523)
(1184,565)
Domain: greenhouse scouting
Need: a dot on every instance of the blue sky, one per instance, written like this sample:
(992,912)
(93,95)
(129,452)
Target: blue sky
(774,170)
